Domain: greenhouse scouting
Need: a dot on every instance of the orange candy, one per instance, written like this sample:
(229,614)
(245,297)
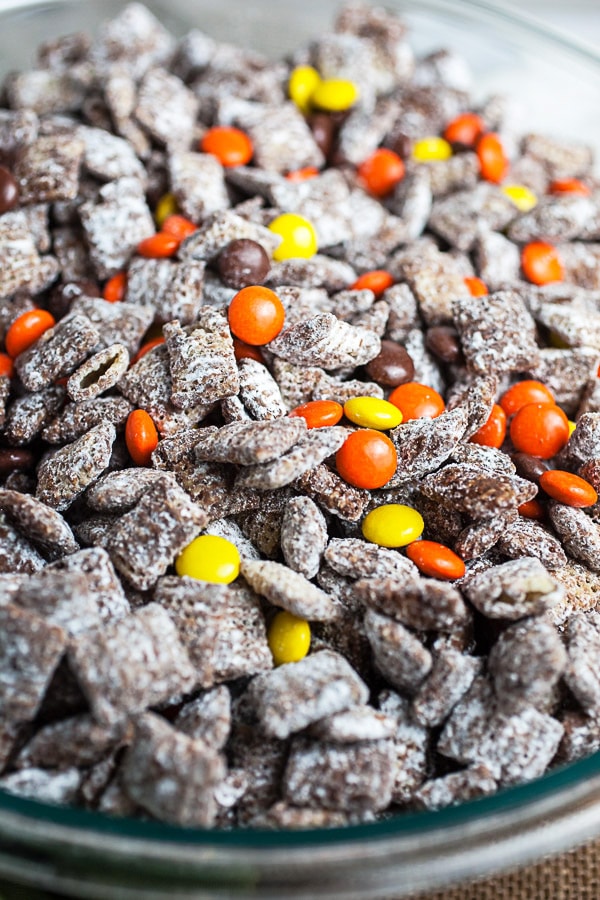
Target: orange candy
(417,401)
(524,392)
(464,129)
(366,459)
(6,365)
(539,429)
(231,146)
(159,246)
(377,281)
(319,413)
(141,437)
(145,348)
(178,227)
(26,329)
(436,560)
(476,287)
(492,434)
(302,174)
(568,488)
(381,172)
(541,263)
(256,315)
(532,509)
(115,288)
(493,162)
(241,350)
(569,186)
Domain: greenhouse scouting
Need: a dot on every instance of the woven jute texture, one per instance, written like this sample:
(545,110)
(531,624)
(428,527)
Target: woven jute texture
(571,876)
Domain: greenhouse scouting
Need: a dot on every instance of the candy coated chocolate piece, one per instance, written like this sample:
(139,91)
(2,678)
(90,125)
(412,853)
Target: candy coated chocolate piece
(243,262)
(9,191)
(392,365)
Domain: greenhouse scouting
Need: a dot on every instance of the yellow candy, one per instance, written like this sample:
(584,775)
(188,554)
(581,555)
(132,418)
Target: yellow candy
(521,196)
(299,237)
(166,206)
(431,149)
(393,525)
(209,558)
(304,80)
(572,427)
(335,95)
(371,412)
(288,637)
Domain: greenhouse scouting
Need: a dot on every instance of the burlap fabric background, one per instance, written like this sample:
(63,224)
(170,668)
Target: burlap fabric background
(572,876)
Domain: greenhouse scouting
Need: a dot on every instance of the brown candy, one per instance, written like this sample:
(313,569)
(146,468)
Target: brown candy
(12,460)
(323,129)
(9,190)
(442,341)
(529,467)
(63,295)
(392,365)
(243,262)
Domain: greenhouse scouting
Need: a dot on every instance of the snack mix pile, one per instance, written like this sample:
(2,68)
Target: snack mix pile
(299,431)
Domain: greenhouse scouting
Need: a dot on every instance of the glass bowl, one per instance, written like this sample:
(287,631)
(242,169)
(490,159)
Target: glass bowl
(557,87)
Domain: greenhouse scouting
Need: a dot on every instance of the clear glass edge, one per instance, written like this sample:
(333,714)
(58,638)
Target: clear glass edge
(510,799)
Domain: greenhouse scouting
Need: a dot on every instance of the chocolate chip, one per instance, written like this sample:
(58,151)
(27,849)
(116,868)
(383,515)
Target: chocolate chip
(12,460)
(529,467)
(63,295)
(443,342)
(9,191)
(323,129)
(243,262)
(392,365)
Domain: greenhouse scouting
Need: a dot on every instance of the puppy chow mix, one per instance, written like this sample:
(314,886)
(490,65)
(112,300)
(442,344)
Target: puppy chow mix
(299,430)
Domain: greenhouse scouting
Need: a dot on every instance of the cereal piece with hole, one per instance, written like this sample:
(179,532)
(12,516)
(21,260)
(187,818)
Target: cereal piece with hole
(289,590)
(352,778)
(77,418)
(145,541)
(513,590)
(398,654)
(99,373)
(64,475)
(170,775)
(526,663)
(457,787)
(130,664)
(115,224)
(311,450)
(101,578)
(201,360)
(30,650)
(303,536)
(294,695)
(39,523)
(221,626)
